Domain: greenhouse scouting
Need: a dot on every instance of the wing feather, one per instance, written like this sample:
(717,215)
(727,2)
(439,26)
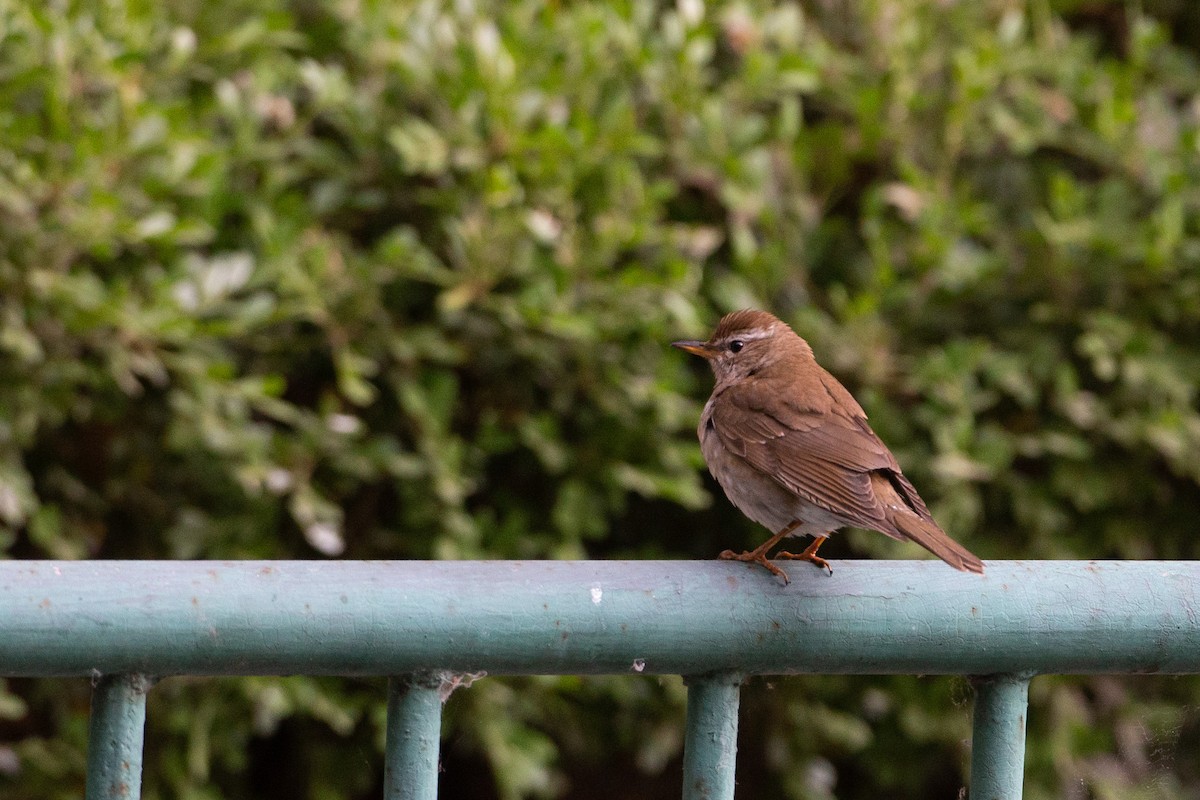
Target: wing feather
(822,456)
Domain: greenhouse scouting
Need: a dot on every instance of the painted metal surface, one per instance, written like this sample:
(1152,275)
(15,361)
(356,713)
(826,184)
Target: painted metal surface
(661,617)
(414,726)
(710,743)
(117,728)
(998,737)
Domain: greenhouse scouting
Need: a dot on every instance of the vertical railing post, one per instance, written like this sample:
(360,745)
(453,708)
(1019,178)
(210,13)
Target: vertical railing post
(414,732)
(998,737)
(115,735)
(710,746)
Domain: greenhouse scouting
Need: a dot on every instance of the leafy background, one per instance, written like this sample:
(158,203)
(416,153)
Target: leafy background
(394,280)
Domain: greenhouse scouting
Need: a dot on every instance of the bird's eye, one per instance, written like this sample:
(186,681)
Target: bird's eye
(736,345)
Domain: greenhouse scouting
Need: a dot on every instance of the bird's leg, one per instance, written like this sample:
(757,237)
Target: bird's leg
(809,554)
(759,554)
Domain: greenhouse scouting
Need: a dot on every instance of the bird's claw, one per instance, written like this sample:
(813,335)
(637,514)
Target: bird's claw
(755,557)
(806,556)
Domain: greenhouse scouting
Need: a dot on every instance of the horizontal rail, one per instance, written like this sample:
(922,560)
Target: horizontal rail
(596,617)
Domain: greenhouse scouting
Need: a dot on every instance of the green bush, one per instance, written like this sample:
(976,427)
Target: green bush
(374,280)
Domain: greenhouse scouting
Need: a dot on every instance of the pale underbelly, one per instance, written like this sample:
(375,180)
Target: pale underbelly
(762,499)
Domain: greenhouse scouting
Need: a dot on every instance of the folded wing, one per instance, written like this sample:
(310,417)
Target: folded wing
(824,452)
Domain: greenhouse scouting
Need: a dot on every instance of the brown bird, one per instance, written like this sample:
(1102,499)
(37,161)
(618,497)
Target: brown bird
(793,450)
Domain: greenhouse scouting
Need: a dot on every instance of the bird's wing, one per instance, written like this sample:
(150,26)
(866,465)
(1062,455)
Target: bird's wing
(824,456)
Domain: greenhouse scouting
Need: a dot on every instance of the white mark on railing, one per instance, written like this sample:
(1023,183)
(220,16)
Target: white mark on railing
(597,594)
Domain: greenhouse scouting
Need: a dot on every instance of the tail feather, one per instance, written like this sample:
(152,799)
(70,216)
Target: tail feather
(934,539)
(910,519)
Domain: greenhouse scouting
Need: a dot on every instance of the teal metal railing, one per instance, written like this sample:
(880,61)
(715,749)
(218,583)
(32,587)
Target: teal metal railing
(126,624)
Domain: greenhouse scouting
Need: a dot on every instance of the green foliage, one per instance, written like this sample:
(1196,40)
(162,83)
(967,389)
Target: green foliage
(295,280)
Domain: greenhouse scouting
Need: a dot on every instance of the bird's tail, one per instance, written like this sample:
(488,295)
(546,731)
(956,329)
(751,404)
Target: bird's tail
(927,534)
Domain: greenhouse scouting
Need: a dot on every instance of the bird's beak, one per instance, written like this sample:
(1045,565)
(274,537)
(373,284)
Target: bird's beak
(702,349)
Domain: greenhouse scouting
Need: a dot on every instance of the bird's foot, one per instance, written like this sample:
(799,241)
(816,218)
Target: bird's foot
(758,556)
(809,555)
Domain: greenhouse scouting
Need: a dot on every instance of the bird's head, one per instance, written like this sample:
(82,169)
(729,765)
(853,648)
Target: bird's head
(747,342)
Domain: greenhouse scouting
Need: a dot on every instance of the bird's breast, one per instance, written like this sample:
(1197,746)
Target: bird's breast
(756,494)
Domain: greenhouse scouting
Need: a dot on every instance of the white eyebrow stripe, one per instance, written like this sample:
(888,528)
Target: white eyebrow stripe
(752,334)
